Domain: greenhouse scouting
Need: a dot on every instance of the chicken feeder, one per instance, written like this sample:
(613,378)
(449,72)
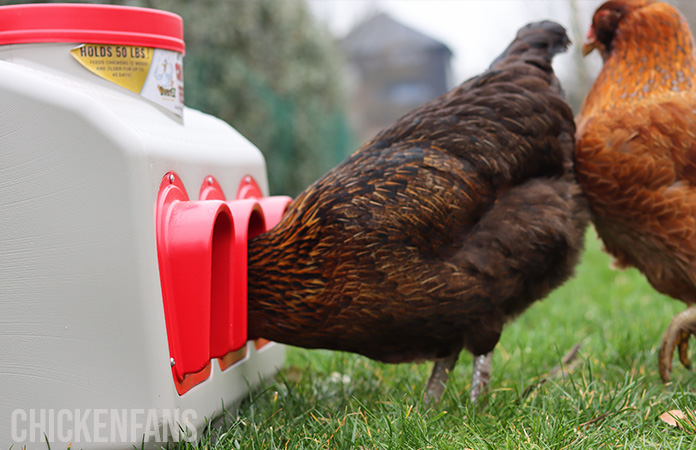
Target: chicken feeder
(124,219)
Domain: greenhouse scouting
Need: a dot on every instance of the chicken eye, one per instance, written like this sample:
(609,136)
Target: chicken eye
(605,24)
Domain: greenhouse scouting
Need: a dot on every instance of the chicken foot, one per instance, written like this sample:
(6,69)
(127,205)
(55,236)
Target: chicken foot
(481,375)
(680,329)
(438,378)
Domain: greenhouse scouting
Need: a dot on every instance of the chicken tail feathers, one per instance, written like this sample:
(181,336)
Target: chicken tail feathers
(536,40)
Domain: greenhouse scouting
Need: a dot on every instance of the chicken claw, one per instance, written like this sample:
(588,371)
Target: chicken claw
(680,329)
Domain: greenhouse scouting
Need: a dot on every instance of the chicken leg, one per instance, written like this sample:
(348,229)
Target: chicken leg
(680,329)
(438,378)
(441,369)
(481,375)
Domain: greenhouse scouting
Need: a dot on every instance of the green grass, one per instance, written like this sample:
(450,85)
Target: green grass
(612,398)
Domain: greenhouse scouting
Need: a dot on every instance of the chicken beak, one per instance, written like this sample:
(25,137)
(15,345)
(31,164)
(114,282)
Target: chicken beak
(588,46)
(590,43)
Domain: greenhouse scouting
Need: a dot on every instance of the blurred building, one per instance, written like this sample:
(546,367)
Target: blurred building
(392,69)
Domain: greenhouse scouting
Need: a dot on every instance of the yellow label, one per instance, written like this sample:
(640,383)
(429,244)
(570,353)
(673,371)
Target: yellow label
(124,65)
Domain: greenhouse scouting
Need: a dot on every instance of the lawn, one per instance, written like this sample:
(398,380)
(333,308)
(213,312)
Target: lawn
(610,397)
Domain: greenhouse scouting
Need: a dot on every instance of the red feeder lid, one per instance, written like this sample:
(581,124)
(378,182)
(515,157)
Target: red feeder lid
(93,24)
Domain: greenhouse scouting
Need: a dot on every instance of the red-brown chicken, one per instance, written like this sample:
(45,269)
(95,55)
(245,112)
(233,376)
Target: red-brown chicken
(636,151)
(430,237)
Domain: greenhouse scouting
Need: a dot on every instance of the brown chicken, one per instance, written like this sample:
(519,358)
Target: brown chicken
(430,237)
(636,151)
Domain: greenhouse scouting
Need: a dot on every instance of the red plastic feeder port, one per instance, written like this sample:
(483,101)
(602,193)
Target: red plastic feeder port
(273,209)
(229,316)
(194,247)
(202,254)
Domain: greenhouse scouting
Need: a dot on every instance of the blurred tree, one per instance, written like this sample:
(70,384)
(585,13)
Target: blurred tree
(273,72)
